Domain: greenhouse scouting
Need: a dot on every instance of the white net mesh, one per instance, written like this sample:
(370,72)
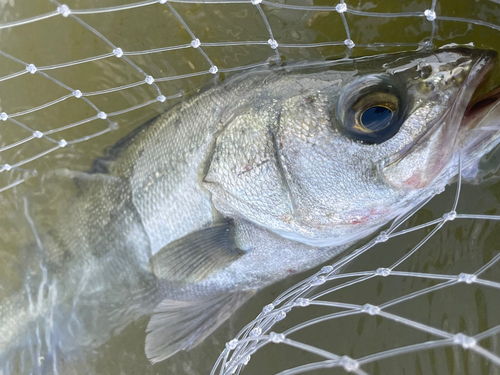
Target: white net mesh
(42,79)
(76,77)
(400,333)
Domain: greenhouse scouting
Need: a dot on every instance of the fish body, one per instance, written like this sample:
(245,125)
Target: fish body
(265,175)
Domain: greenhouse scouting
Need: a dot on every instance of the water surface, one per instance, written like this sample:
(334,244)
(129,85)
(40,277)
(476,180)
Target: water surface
(461,246)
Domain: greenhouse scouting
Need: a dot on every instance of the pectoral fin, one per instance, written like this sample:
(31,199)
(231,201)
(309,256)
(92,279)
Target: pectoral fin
(196,255)
(181,325)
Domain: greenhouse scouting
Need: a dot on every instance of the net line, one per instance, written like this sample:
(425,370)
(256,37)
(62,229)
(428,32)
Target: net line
(62,10)
(257,334)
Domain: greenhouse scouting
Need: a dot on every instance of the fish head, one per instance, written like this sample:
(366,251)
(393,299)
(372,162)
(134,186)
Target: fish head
(325,156)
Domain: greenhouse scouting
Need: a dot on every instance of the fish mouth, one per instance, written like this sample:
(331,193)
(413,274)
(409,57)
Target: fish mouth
(478,106)
(484,95)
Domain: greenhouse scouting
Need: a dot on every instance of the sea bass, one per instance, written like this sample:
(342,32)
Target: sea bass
(265,175)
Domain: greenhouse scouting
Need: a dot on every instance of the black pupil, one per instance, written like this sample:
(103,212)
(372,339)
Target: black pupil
(376,118)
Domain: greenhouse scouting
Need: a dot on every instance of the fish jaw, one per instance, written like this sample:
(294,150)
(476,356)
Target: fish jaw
(417,166)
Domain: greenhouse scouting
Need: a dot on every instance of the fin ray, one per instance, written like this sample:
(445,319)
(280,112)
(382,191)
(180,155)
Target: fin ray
(181,325)
(195,256)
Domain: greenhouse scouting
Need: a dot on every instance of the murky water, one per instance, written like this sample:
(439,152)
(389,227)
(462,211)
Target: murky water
(461,246)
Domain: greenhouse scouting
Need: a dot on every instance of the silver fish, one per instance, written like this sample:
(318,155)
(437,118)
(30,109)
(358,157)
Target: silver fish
(268,174)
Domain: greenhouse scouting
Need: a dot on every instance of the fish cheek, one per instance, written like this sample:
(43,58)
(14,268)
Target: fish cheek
(244,174)
(309,150)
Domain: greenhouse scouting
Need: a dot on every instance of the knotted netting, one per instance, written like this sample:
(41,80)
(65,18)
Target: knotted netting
(373,310)
(75,77)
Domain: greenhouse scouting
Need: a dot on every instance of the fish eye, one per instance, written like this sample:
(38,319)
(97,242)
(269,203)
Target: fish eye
(372,109)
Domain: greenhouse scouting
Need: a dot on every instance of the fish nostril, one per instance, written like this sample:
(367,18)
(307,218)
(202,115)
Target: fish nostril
(425,71)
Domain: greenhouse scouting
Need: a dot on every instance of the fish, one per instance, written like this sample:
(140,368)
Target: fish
(267,174)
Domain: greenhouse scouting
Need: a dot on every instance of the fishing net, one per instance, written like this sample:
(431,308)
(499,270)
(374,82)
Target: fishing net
(420,297)
(386,295)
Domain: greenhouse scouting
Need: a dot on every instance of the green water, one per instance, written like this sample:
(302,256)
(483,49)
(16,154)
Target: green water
(461,246)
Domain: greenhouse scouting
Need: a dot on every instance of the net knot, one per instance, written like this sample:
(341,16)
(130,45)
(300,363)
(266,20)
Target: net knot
(318,280)
(280,316)
(162,1)
(257,331)
(255,2)
(371,309)
(4,116)
(348,363)
(467,278)
(63,10)
(161,98)
(428,44)
(195,43)
(430,14)
(6,167)
(232,344)
(268,308)
(464,341)
(102,115)
(439,189)
(341,7)
(118,52)
(77,93)
(273,43)
(303,302)
(213,69)
(37,134)
(276,337)
(31,68)
(449,216)
(383,272)
(382,237)
(149,80)
(349,43)
(63,143)
(326,269)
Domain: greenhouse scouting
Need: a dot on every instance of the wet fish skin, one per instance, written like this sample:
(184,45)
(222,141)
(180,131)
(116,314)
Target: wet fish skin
(263,165)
